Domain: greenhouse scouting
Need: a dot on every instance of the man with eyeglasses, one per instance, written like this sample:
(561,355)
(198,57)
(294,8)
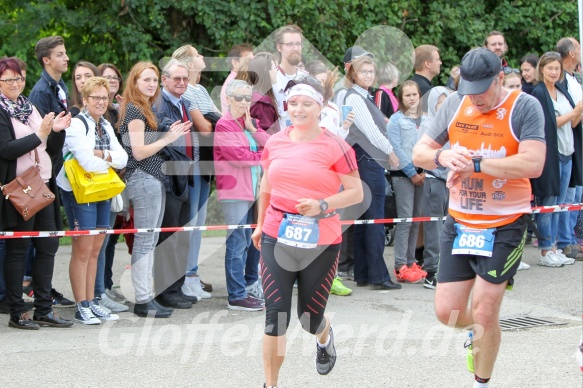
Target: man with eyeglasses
(497,139)
(289,43)
(171,254)
(570,51)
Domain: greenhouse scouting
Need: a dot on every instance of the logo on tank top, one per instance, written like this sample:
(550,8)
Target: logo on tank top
(500,113)
(498,183)
(469,111)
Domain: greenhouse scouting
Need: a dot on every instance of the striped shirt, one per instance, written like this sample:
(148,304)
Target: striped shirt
(199,99)
(365,122)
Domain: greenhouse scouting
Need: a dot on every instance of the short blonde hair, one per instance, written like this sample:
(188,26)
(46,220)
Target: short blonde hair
(93,83)
(424,53)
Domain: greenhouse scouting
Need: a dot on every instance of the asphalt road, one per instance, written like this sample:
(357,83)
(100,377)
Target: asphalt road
(383,339)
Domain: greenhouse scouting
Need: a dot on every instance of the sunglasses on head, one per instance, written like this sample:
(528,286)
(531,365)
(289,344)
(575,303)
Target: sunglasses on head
(240,97)
(508,70)
(553,54)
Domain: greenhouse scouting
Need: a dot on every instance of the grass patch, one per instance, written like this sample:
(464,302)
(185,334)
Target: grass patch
(214,233)
(66,240)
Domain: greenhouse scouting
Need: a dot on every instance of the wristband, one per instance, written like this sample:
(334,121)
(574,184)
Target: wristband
(436,158)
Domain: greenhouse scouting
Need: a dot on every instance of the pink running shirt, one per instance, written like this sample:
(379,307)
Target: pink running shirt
(305,170)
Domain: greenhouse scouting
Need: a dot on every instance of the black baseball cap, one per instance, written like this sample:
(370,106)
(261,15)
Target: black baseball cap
(478,69)
(355,52)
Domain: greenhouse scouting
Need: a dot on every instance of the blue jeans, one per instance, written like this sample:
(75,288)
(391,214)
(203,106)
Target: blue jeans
(85,216)
(2,256)
(198,196)
(237,263)
(544,223)
(369,239)
(560,226)
(148,197)
(100,275)
(575,214)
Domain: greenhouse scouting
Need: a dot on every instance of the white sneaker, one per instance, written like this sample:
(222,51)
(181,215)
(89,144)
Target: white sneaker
(113,306)
(101,312)
(523,266)
(84,315)
(564,259)
(116,296)
(255,290)
(192,287)
(551,259)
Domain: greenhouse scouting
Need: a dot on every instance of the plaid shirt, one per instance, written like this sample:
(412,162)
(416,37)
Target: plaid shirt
(101,142)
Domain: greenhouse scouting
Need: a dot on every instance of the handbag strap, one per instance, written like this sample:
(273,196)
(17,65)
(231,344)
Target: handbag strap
(36,159)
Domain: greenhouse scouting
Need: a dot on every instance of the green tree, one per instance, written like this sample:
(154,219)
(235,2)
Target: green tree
(126,31)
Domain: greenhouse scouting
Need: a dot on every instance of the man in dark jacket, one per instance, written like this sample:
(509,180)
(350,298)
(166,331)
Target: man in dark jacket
(49,94)
(171,255)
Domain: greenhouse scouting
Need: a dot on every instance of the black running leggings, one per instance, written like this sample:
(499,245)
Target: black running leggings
(314,270)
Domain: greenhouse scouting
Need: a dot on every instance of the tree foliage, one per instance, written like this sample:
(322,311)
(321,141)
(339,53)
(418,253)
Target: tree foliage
(126,31)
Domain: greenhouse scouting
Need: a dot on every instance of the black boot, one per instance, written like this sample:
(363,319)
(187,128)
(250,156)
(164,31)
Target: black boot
(142,309)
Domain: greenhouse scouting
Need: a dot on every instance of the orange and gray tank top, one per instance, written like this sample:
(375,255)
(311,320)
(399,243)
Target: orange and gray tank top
(484,201)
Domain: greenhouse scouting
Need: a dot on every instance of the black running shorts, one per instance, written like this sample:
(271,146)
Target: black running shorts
(501,267)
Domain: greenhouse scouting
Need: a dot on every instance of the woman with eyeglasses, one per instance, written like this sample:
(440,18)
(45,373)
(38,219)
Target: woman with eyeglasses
(24,134)
(374,154)
(562,118)
(144,176)
(298,230)
(262,74)
(92,142)
(238,144)
(528,65)
(111,73)
(82,71)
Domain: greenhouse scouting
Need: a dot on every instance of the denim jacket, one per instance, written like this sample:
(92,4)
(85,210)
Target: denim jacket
(403,134)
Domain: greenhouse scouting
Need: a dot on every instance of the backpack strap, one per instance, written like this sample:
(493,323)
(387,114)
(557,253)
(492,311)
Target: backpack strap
(80,117)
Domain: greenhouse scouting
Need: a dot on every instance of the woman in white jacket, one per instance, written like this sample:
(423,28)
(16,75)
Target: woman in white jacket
(92,141)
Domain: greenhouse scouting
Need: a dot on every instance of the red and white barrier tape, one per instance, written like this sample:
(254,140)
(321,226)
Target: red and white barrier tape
(62,233)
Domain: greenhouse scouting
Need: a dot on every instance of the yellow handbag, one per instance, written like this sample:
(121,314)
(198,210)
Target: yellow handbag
(91,186)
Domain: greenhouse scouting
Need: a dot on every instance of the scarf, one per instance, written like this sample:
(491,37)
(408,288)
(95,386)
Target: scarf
(20,110)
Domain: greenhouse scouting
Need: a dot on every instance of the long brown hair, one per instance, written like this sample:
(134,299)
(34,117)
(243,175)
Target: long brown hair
(132,94)
(257,75)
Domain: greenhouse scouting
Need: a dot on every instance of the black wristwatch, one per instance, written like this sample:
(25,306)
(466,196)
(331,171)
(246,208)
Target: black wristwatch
(477,160)
(323,206)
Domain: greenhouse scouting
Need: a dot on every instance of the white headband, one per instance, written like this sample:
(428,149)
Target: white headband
(305,90)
